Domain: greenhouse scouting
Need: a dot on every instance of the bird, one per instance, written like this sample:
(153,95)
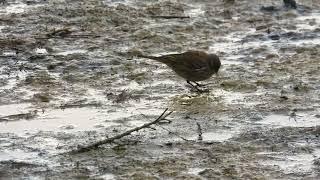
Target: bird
(290,4)
(191,65)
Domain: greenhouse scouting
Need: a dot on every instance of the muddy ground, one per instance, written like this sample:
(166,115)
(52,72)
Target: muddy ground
(69,77)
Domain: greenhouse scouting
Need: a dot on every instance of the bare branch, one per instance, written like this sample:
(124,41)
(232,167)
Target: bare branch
(171,17)
(110,140)
(169,131)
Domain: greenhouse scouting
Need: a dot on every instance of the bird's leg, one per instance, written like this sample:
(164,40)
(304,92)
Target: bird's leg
(190,83)
(195,87)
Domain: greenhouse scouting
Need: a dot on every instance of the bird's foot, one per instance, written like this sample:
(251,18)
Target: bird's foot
(197,89)
(200,85)
(200,91)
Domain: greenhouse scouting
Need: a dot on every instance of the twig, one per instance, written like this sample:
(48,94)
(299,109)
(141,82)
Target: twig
(84,36)
(171,17)
(70,36)
(199,132)
(16,117)
(110,140)
(171,132)
(174,134)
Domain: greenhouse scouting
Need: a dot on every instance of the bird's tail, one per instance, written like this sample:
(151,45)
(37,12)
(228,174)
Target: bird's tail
(160,59)
(137,53)
(163,59)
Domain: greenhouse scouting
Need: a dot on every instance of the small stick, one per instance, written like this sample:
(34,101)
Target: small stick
(110,140)
(171,17)
(199,132)
(70,36)
(176,134)
(171,132)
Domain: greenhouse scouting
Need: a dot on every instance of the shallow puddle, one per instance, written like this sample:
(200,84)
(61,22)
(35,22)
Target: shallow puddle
(14,8)
(308,22)
(300,163)
(17,155)
(223,131)
(195,171)
(75,51)
(107,177)
(218,136)
(71,119)
(6,110)
(195,11)
(57,120)
(298,120)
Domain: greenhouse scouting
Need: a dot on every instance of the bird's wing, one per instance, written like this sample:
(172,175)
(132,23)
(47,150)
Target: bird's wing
(195,60)
(191,60)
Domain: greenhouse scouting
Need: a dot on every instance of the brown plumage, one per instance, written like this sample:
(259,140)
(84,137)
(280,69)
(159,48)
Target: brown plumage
(191,65)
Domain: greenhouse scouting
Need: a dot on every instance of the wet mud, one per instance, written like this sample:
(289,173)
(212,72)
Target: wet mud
(69,77)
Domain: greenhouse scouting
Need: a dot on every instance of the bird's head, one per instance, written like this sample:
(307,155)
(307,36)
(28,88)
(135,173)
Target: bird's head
(214,62)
